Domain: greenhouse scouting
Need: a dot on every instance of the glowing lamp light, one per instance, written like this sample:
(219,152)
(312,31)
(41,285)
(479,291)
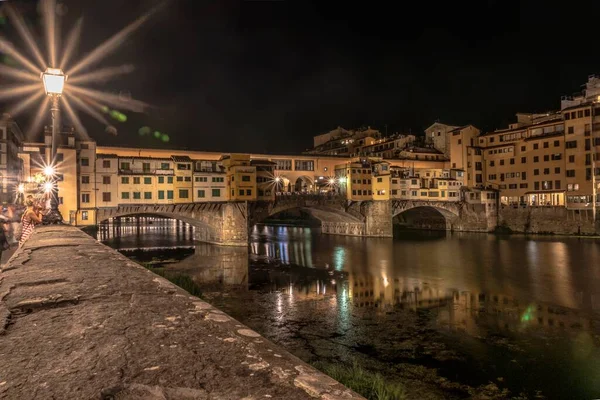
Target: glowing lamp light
(343,180)
(278,179)
(21,188)
(48,187)
(54,81)
(49,171)
(331,181)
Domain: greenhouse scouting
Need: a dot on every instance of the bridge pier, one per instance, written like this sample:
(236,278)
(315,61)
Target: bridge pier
(378,218)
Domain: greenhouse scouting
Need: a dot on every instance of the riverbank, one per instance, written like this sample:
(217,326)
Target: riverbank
(79,320)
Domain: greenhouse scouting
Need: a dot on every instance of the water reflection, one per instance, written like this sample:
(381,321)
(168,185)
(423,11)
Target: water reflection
(145,232)
(222,265)
(473,306)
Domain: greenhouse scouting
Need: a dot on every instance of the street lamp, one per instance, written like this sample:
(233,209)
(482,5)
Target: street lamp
(54,83)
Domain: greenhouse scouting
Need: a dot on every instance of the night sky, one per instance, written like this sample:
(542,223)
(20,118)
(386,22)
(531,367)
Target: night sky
(266,76)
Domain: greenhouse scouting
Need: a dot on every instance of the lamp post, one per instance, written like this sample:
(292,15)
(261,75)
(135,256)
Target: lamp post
(54,83)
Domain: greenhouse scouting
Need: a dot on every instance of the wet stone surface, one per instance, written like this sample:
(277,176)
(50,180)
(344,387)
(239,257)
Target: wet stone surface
(80,321)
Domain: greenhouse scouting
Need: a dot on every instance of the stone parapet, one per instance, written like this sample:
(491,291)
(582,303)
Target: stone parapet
(78,320)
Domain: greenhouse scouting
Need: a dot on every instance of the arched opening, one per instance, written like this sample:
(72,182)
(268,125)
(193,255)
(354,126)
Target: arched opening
(304,184)
(427,218)
(282,184)
(196,229)
(156,231)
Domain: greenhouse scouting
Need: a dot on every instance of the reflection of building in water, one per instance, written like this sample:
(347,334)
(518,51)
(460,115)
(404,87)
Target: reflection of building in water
(375,291)
(133,226)
(210,264)
(472,311)
(301,283)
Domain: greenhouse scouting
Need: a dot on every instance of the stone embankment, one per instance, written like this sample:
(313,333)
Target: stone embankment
(547,220)
(80,321)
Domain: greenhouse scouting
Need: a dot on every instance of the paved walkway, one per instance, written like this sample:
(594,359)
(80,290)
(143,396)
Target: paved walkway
(80,321)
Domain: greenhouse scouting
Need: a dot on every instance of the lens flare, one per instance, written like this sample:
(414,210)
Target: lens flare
(74,95)
(49,171)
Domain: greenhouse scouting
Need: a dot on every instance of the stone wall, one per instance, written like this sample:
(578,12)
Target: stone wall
(78,320)
(378,218)
(475,218)
(234,228)
(553,220)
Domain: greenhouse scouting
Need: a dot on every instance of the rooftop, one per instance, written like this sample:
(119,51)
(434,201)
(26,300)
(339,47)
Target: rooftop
(181,158)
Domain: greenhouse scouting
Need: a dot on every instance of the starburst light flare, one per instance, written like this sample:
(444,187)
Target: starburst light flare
(74,95)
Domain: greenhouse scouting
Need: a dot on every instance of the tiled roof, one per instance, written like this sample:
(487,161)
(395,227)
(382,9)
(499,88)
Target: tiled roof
(102,155)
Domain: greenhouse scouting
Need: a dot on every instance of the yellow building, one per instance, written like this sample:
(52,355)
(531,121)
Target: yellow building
(582,126)
(462,139)
(363,179)
(241,177)
(107,187)
(526,162)
(86,212)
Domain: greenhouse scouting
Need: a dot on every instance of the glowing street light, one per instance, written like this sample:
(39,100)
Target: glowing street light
(277,179)
(21,188)
(54,84)
(48,187)
(332,181)
(49,171)
(54,81)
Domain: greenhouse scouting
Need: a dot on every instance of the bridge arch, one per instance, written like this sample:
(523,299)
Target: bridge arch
(218,223)
(202,231)
(304,183)
(426,215)
(334,217)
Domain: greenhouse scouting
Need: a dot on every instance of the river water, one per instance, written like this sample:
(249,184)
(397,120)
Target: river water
(449,315)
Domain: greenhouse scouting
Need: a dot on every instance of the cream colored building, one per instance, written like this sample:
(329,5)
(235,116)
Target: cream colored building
(210,183)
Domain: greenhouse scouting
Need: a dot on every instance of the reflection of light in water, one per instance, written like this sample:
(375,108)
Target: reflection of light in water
(279,303)
(562,271)
(308,251)
(339,258)
(532,263)
(283,251)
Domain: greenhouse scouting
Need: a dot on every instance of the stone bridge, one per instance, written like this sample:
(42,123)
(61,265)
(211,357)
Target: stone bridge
(228,223)
(223,223)
(444,215)
(338,216)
